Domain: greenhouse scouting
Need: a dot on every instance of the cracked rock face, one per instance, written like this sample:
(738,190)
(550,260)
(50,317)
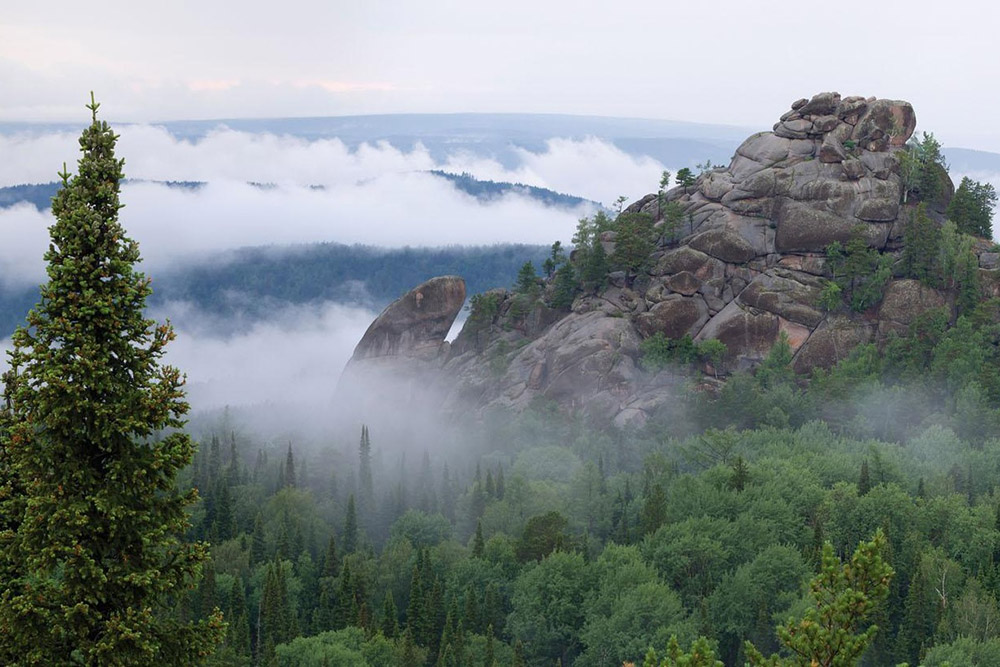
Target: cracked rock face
(748,266)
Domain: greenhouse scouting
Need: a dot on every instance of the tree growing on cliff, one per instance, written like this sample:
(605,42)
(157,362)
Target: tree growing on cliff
(922,168)
(860,271)
(93,551)
(635,241)
(971,209)
(686,178)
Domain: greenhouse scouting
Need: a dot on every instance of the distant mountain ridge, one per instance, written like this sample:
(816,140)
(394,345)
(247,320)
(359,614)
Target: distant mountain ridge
(501,135)
(40,194)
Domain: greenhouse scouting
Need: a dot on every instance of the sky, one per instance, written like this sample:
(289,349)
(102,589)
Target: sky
(730,61)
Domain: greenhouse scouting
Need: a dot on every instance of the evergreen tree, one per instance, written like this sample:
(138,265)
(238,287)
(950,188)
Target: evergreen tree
(489,657)
(478,544)
(921,242)
(518,660)
(367,491)
(390,616)
(331,562)
(634,243)
(346,609)
(417,610)
(214,460)
(92,553)
(409,652)
(238,633)
(741,475)
(654,509)
(471,618)
(233,471)
(971,209)
(834,630)
(493,613)
(257,547)
(289,477)
(350,537)
(864,479)
(685,178)
(527,280)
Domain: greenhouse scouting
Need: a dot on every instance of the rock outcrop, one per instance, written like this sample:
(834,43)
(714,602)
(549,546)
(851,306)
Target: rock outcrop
(747,265)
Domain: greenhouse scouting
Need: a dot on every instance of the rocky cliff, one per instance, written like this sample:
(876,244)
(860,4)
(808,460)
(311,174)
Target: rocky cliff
(748,264)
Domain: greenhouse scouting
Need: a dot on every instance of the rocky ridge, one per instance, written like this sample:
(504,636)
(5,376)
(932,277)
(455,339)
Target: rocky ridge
(747,265)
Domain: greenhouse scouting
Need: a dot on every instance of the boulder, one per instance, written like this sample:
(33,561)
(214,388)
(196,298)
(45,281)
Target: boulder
(832,341)
(790,294)
(905,300)
(748,333)
(821,104)
(416,324)
(801,227)
(675,317)
(725,244)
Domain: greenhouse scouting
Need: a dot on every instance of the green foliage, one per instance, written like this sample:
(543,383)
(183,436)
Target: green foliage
(547,607)
(565,287)
(835,629)
(922,168)
(861,272)
(776,369)
(483,308)
(635,241)
(90,553)
(700,654)
(527,280)
(921,247)
(556,258)
(658,351)
(542,535)
(971,209)
(685,178)
(673,218)
(831,297)
(591,259)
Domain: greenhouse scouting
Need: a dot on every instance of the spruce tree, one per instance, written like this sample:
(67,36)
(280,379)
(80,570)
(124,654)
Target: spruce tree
(94,550)
(478,543)
(365,470)
(351,528)
(289,477)
(390,616)
(864,479)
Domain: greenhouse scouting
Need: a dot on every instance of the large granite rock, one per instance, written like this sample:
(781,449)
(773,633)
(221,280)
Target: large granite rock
(746,267)
(416,324)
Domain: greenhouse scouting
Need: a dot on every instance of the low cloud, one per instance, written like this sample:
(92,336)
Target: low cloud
(374,194)
(293,358)
(589,168)
(395,209)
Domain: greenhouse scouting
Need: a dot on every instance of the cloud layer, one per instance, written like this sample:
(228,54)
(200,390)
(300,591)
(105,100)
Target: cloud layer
(375,194)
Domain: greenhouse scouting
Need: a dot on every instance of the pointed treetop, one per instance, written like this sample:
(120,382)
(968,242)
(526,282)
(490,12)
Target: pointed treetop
(93,106)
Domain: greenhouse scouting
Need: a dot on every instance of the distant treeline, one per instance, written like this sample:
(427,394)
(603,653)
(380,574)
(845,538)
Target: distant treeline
(487,190)
(40,194)
(249,281)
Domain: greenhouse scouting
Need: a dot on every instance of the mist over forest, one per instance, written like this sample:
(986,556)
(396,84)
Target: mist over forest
(355,521)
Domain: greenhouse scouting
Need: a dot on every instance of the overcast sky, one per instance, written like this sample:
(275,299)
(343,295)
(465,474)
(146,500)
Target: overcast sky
(729,61)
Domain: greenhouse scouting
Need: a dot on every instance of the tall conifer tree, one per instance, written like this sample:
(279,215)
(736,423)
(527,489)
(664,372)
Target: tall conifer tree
(93,552)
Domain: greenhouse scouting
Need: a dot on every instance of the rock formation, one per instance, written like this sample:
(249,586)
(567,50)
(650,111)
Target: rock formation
(747,265)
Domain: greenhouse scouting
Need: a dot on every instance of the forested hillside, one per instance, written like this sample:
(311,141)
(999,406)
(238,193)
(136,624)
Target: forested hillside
(535,539)
(252,281)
